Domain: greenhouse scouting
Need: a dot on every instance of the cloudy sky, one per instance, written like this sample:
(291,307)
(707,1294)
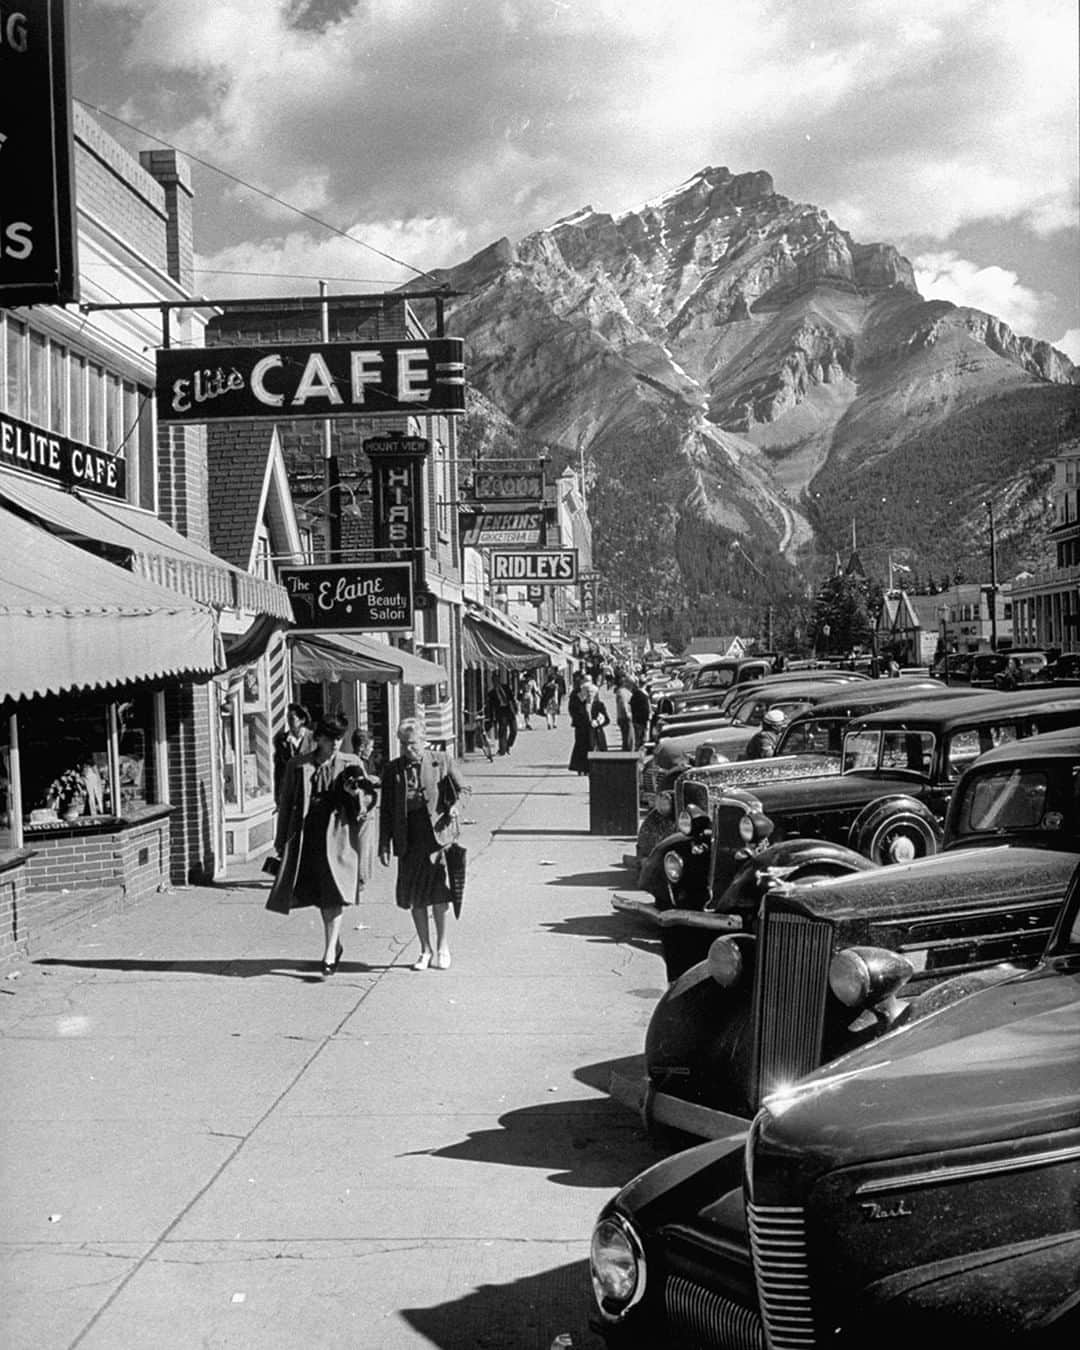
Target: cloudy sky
(426,129)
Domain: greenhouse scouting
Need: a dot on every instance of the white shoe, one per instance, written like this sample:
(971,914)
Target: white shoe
(423,962)
(441,962)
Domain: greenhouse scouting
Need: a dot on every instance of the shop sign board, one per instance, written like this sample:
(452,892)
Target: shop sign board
(37,203)
(536,567)
(297,381)
(397,498)
(489,528)
(499,485)
(47,455)
(350,597)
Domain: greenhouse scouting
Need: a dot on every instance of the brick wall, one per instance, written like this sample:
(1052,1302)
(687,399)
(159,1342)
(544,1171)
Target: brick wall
(116,191)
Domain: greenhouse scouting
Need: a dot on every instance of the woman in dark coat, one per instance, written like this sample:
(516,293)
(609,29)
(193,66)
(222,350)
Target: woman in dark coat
(421,790)
(598,717)
(293,739)
(578,706)
(323,810)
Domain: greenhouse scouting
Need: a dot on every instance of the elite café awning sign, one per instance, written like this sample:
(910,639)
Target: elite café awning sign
(310,380)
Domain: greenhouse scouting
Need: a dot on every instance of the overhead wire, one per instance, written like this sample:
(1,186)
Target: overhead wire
(252,187)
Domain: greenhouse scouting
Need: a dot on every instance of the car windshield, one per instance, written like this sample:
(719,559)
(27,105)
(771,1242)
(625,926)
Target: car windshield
(889,749)
(713,679)
(1020,798)
(818,736)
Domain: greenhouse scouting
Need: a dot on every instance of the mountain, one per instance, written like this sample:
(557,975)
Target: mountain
(744,383)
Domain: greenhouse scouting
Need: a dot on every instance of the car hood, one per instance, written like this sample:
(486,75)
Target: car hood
(1000,1065)
(944,883)
(847,789)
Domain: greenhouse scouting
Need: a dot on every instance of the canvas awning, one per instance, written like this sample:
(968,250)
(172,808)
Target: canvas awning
(485,647)
(157,551)
(69,620)
(352,656)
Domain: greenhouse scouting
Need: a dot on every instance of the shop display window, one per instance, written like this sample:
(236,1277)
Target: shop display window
(65,762)
(246,748)
(8,803)
(135,738)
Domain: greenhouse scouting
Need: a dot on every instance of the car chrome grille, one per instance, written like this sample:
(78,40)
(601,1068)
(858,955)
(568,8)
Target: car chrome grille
(778,1245)
(790,983)
(708,1318)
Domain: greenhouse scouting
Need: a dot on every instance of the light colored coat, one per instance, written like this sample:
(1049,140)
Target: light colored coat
(393,805)
(344,843)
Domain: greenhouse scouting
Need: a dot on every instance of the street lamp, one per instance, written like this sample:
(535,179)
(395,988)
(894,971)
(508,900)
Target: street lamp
(332,516)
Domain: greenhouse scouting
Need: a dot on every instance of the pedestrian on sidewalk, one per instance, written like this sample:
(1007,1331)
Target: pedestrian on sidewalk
(323,840)
(578,707)
(421,790)
(501,711)
(623,689)
(530,700)
(598,717)
(294,738)
(640,713)
(549,701)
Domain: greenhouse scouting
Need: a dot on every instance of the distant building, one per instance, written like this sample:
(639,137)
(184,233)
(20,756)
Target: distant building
(1047,604)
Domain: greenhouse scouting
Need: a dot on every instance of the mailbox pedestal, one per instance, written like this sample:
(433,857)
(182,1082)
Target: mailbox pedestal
(614,789)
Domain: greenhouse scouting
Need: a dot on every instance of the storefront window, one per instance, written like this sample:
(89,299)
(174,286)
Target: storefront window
(15,369)
(58,390)
(39,356)
(256,734)
(77,397)
(135,739)
(230,780)
(65,761)
(95,388)
(7,791)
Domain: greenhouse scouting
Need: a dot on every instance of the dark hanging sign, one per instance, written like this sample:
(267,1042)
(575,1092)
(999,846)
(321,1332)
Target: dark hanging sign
(537,567)
(397,499)
(350,597)
(501,485)
(47,455)
(294,381)
(37,203)
(487,528)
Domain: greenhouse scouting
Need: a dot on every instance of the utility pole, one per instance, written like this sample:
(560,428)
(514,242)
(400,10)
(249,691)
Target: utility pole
(993,580)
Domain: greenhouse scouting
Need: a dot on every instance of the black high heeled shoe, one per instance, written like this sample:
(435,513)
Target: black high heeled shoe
(328,967)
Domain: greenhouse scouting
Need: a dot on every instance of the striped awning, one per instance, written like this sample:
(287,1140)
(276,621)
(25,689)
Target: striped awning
(485,647)
(334,657)
(156,551)
(70,620)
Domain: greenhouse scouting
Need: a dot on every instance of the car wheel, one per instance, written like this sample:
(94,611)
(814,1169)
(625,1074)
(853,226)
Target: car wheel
(901,841)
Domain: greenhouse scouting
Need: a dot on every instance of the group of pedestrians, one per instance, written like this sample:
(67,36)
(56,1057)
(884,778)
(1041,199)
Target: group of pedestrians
(590,719)
(336,817)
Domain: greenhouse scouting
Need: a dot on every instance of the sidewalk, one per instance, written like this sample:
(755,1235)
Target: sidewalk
(203,1144)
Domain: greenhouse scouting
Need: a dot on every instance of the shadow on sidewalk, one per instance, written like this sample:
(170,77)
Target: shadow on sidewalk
(525,1314)
(242,968)
(612,878)
(609,928)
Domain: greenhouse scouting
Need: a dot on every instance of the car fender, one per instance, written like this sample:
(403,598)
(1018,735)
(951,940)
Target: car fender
(789,861)
(948,992)
(651,878)
(1021,1291)
(890,827)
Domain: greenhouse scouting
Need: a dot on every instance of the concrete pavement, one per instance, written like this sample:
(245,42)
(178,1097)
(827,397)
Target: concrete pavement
(203,1144)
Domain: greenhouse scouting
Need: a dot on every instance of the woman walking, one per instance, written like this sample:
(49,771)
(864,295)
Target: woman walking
(549,701)
(421,790)
(579,709)
(325,820)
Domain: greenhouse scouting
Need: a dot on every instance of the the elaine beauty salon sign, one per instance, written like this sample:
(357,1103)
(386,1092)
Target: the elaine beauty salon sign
(356,597)
(302,380)
(47,455)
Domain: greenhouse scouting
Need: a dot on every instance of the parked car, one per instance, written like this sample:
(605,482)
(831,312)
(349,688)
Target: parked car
(1064,670)
(1007,669)
(922,1191)
(816,969)
(955,668)
(899,769)
(711,680)
(810,745)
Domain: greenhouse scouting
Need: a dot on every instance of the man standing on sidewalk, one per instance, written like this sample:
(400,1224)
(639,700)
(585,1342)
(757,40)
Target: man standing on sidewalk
(623,690)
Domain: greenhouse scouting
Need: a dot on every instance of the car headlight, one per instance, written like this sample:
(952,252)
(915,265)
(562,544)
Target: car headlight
(862,976)
(746,829)
(664,804)
(725,962)
(617,1266)
(685,822)
(673,866)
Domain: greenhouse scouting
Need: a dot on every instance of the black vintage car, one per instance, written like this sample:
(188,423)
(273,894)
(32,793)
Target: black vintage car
(922,1191)
(817,969)
(900,767)
(810,746)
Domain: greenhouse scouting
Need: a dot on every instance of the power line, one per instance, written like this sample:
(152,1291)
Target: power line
(262,192)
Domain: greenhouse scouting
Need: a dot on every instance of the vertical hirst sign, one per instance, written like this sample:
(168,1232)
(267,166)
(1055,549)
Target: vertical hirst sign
(37,214)
(397,465)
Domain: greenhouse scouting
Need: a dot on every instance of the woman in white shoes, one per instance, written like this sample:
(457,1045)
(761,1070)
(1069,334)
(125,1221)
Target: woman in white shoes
(421,790)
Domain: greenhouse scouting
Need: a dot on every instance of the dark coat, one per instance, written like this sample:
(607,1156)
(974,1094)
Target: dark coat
(344,845)
(393,807)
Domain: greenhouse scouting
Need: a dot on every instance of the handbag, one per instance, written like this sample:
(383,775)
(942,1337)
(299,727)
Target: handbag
(456,857)
(446,826)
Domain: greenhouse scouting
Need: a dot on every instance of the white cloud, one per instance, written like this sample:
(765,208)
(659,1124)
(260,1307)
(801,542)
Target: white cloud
(1070,345)
(997,291)
(294,263)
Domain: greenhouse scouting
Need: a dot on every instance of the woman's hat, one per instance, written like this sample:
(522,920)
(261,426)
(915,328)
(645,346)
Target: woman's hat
(774,717)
